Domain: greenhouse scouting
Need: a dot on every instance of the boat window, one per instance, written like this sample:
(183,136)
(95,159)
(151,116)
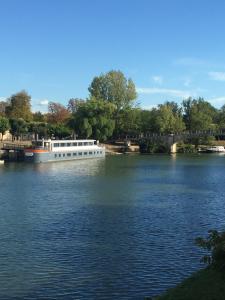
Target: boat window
(59,155)
(56,145)
(90,152)
(97,152)
(80,153)
(74,144)
(80,144)
(55,155)
(85,143)
(74,154)
(100,152)
(85,153)
(90,143)
(68,154)
(68,144)
(62,144)
(63,154)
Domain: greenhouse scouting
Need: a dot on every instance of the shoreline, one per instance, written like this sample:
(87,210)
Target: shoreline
(205,284)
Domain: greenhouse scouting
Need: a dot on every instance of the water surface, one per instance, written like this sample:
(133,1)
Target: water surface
(119,228)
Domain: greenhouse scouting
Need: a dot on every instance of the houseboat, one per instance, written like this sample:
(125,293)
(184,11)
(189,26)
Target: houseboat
(60,150)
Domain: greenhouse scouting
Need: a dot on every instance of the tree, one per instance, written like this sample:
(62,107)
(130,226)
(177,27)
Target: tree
(115,88)
(19,106)
(39,117)
(38,129)
(168,120)
(94,119)
(3,105)
(18,127)
(129,122)
(57,113)
(74,104)
(220,118)
(59,131)
(199,114)
(4,125)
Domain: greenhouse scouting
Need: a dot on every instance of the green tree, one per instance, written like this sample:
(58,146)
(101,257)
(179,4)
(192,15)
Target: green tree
(199,114)
(74,104)
(18,127)
(167,120)
(115,88)
(39,117)
(4,125)
(129,122)
(38,129)
(59,131)
(220,118)
(94,119)
(19,106)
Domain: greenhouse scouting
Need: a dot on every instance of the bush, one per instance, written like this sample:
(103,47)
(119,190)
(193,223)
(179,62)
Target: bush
(186,148)
(215,245)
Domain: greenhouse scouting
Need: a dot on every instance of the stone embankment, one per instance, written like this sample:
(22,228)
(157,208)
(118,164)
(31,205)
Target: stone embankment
(120,148)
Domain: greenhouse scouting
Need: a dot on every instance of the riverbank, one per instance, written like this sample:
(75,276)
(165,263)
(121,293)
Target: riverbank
(207,284)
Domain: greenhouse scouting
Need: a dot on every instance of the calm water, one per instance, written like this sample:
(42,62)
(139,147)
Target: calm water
(119,228)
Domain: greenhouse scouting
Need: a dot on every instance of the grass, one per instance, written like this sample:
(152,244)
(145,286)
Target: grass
(207,284)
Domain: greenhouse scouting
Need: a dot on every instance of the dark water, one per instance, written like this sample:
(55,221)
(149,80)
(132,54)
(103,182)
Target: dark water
(119,228)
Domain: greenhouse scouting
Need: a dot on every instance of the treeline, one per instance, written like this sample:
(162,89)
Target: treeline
(110,111)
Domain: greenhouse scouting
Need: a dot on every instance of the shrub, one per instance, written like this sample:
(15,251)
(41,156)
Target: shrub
(215,245)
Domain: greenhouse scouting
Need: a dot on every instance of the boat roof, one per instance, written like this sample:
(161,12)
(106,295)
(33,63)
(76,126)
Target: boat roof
(64,141)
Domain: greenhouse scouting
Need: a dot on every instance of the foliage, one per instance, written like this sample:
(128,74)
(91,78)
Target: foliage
(215,244)
(3,105)
(128,122)
(151,147)
(58,131)
(168,120)
(39,129)
(39,117)
(186,148)
(74,104)
(115,88)
(19,106)
(94,119)
(198,114)
(4,125)
(57,113)
(18,127)
(220,118)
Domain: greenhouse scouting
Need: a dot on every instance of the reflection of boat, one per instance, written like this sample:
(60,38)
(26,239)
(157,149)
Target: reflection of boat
(215,149)
(60,150)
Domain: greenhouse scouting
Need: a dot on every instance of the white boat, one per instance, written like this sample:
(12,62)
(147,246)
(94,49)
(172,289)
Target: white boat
(60,150)
(215,149)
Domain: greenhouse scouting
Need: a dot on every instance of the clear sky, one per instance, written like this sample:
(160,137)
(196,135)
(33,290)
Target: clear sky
(171,49)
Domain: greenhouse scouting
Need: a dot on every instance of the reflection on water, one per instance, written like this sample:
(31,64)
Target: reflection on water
(119,228)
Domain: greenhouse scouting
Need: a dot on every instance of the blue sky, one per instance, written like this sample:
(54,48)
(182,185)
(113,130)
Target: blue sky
(171,49)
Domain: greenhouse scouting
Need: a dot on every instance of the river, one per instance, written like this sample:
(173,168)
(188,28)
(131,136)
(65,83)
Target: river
(116,228)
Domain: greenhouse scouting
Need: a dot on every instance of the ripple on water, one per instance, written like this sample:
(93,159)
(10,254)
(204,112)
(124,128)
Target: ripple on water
(120,228)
